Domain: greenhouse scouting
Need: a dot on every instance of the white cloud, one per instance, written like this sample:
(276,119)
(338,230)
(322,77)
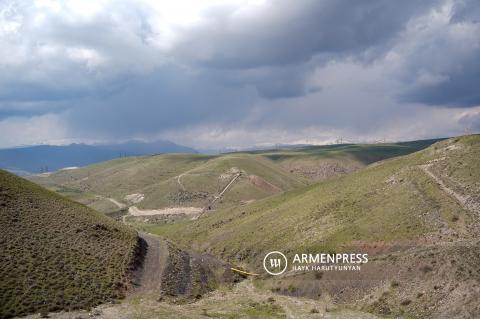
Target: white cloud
(48,128)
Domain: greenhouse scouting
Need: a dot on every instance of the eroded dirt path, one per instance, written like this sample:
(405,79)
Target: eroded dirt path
(180,182)
(464,200)
(112,200)
(149,278)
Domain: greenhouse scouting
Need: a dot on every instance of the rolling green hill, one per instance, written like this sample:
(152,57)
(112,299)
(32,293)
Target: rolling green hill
(327,161)
(163,181)
(416,215)
(172,181)
(385,201)
(58,254)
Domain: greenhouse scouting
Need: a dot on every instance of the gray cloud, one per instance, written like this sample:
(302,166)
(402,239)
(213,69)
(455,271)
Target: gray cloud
(442,66)
(456,87)
(275,48)
(470,121)
(170,97)
(282,69)
(466,11)
(289,32)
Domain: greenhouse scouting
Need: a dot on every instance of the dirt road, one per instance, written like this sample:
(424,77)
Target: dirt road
(179,182)
(134,211)
(150,276)
(464,200)
(112,200)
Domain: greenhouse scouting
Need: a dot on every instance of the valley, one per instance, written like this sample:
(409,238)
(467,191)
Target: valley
(184,186)
(239,159)
(416,216)
(192,218)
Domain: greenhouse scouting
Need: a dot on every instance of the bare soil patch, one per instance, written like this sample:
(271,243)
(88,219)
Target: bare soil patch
(134,211)
(263,184)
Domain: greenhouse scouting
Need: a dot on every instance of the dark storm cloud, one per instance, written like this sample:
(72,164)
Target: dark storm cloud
(281,65)
(271,82)
(449,60)
(286,32)
(466,11)
(168,98)
(459,86)
(38,92)
(275,48)
(55,60)
(27,109)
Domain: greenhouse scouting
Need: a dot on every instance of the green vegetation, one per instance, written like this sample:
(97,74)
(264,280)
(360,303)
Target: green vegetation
(390,201)
(57,254)
(326,161)
(171,180)
(415,215)
(240,301)
(193,180)
(365,153)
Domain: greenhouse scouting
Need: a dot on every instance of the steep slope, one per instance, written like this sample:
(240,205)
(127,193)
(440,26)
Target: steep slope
(416,215)
(169,272)
(58,254)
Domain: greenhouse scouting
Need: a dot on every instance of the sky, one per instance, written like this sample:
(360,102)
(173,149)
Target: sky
(238,73)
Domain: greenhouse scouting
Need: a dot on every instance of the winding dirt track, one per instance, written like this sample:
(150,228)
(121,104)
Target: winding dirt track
(112,200)
(179,182)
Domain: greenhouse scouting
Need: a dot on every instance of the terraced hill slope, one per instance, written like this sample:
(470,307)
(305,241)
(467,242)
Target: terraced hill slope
(418,216)
(58,254)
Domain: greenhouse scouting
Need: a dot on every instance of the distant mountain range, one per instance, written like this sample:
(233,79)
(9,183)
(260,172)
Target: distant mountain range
(45,158)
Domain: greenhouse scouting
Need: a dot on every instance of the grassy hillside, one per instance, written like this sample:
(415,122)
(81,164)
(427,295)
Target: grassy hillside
(57,254)
(387,201)
(417,214)
(195,180)
(326,161)
(242,300)
(171,180)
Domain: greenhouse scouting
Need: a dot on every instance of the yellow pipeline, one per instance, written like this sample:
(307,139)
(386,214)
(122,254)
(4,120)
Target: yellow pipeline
(244,272)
